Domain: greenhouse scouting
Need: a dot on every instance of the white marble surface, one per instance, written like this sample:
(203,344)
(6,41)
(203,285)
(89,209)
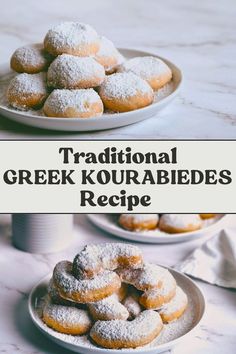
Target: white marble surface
(199,36)
(19,271)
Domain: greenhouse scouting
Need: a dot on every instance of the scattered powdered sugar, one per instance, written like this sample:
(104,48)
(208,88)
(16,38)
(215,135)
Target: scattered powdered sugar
(181,220)
(124,85)
(63,277)
(179,300)
(142,326)
(146,67)
(67,315)
(168,286)
(149,277)
(31,55)
(109,309)
(106,256)
(71,34)
(81,100)
(69,70)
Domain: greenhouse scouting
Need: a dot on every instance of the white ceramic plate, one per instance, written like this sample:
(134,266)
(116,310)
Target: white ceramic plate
(171,335)
(109,223)
(106,121)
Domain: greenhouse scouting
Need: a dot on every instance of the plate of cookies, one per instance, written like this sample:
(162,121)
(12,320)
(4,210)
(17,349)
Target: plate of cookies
(108,299)
(159,228)
(77,80)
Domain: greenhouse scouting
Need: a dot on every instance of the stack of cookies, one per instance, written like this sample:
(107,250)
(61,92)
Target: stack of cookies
(76,73)
(111,294)
(169,223)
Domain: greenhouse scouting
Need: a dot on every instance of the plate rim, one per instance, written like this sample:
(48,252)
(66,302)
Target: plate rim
(103,118)
(161,239)
(161,347)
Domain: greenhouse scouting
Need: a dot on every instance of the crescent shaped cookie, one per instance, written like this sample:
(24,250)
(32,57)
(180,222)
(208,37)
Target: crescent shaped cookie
(127,334)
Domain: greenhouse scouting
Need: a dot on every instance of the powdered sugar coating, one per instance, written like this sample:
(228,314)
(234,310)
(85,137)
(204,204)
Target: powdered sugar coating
(181,221)
(108,309)
(128,332)
(55,295)
(151,276)
(179,301)
(82,101)
(66,282)
(68,37)
(69,71)
(108,55)
(67,315)
(30,59)
(124,85)
(27,86)
(146,67)
(137,222)
(95,258)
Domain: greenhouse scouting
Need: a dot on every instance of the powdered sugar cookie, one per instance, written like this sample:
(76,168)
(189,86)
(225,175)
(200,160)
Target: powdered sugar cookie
(127,334)
(177,223)
(157,283)
(27,91)
(30,59)
(149,68)
(72,38)
(138,222)
(108,56)
(125,92)
(95,258)
(73,104)
(66,319)
(71,72)
(55,296)
(175,308)
(109,308)
(84,290)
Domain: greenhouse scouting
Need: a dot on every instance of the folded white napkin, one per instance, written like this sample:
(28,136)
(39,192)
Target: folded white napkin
(215,261)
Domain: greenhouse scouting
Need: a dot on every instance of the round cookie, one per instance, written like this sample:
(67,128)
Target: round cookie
(123,92)
(30,59)
(108,56)
(71,72)
(94,259)
(207,216)
(127,334)
(84,290)
(138,222)
(175,308)
(66,319)
(108,309)
(73,104)
(153,70)
(72,38)
(27,91)
(177,223)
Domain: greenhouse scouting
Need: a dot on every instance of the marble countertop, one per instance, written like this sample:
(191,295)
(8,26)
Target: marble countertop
(19,271)
(199,36)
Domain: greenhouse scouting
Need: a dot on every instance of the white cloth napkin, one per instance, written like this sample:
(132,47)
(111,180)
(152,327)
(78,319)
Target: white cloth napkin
(214,261)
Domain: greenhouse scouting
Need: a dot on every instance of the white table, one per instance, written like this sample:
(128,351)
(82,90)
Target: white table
(19,271)
(199,36)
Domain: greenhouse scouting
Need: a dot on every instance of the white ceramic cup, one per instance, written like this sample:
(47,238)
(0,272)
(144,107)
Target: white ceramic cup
(42,233)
